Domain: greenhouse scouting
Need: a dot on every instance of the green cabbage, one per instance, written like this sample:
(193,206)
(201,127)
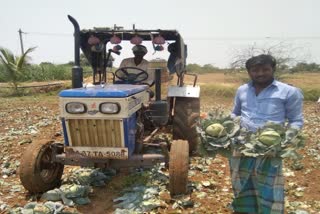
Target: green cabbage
(270,138)
(216,130)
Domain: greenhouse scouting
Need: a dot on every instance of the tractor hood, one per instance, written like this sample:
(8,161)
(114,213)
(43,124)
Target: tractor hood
(116,91)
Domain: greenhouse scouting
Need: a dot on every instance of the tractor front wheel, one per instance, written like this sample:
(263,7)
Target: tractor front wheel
(178,167)
(38,173)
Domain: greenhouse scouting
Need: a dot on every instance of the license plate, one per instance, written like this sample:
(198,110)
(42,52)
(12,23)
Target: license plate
(98,152)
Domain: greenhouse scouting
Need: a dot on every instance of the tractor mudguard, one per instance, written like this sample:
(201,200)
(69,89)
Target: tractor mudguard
(184,91)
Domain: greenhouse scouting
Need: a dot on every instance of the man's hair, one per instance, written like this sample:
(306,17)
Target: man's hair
(262,59)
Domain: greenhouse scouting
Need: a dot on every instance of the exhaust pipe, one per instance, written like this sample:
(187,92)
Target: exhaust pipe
(77,71)
(158,83)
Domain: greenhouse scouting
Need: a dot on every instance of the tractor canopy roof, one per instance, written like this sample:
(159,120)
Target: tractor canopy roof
(102,36)
(107,33)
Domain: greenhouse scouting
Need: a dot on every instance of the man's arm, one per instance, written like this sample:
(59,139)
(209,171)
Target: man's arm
(293,108)
(237,105)
(151,73)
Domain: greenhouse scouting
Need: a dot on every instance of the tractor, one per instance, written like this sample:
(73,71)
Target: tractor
(111,122)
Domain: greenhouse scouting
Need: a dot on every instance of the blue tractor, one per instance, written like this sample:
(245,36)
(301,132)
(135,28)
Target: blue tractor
(110,123)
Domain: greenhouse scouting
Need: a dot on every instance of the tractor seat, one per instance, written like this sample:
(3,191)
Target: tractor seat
(151,93)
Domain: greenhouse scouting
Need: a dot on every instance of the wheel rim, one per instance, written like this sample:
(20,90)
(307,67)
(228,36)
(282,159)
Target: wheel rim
(47,168)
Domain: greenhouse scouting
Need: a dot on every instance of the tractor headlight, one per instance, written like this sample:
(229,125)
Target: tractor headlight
(76,108)
(109,108)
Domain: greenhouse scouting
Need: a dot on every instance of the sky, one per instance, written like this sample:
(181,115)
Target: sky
(214,30)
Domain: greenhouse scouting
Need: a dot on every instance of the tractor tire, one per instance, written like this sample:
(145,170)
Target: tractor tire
(185,121)
(178,167)
(37,171)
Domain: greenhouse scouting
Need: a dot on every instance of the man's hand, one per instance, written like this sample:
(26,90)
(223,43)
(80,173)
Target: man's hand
(290,134)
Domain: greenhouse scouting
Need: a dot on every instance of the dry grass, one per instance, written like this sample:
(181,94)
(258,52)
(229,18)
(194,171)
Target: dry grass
(234,79)
(214,85)
(225,85)
(303,80)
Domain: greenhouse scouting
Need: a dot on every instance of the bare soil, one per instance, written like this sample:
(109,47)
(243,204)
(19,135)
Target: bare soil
(19,114)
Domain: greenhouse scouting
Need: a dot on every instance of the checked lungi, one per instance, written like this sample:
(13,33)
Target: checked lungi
(258,185)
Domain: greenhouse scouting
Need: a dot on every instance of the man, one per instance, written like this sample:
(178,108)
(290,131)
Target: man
(137,61)
(258,183)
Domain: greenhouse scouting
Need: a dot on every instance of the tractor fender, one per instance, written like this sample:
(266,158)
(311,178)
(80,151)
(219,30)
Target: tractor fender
(184,91)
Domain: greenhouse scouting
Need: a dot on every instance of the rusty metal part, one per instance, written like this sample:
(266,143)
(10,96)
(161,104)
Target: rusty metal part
(148,138)
(152,144)
(195,78)
(178,167)
(165,150)
(39,171)
(145,160)
(97,152)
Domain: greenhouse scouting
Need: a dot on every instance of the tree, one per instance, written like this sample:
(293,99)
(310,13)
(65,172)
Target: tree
(193,67)
(83,61)
(303,66)
(207,68)
(14,67)
(285,53)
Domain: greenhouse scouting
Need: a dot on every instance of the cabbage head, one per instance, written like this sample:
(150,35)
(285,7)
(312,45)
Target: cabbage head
(216,130)
(270,137)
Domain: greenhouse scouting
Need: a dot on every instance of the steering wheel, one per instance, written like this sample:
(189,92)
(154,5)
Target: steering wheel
(129,77)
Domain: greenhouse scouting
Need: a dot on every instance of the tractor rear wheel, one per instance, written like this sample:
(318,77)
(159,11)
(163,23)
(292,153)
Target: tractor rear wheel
(37,171)
(185,120)
(178,167)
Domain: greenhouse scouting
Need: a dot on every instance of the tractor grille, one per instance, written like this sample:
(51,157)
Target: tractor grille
(95,132)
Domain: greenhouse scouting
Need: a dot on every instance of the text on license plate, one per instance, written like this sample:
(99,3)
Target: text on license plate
(98,152)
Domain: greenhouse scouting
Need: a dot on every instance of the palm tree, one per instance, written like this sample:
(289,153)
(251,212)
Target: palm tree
(13,66)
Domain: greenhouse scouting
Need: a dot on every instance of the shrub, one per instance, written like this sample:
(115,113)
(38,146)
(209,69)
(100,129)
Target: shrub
(311,94)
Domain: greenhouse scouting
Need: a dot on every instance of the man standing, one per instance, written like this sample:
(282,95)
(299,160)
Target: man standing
(258,183)
(138,61)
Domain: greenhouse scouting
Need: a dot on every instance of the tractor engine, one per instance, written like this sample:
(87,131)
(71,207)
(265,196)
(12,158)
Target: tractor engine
(101,121)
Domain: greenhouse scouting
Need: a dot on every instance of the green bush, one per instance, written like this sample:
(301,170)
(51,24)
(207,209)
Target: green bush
(2,74)
(47,72)
(198,69)
(311,94)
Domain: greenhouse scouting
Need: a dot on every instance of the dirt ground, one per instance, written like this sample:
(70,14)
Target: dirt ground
(37,117)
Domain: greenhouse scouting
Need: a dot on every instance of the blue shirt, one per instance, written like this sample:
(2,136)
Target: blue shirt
(278,103)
